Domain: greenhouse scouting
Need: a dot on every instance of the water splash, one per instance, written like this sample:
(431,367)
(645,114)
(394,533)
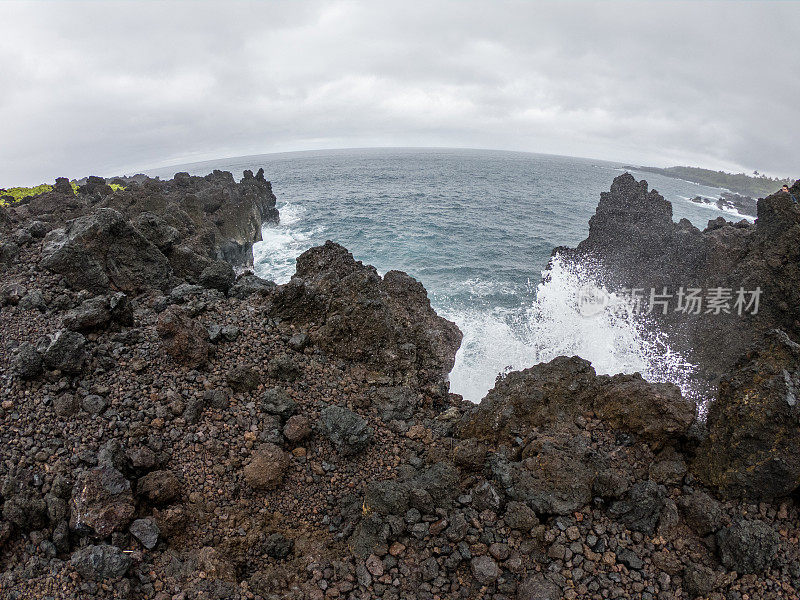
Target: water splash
(554,325)
(274,257)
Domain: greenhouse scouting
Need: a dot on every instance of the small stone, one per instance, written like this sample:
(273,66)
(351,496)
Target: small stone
(485,569)
(346,430)
(95,563)
(146,531)
(374,565)
(297,428)
(243,379)
(94,404)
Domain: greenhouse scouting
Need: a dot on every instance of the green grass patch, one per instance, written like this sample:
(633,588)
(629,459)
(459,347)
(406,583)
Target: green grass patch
(18,193)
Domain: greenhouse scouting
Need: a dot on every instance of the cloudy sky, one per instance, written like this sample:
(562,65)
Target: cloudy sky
(116,87)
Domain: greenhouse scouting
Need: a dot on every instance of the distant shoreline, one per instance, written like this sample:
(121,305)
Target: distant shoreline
(758,186)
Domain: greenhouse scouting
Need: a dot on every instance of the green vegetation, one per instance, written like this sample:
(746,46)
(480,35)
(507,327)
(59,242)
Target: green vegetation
(755,185)
(18,193)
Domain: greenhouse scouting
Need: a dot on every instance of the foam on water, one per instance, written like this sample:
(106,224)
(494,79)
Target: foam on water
(274,257)
(553,325)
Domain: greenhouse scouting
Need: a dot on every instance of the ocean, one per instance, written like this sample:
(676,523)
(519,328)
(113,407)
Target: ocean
(477,228)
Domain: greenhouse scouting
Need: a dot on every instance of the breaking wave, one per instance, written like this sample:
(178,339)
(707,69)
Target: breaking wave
(274,257)
(553,324)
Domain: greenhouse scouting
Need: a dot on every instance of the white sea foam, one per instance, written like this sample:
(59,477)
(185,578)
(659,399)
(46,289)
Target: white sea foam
(274,257)
(553,325)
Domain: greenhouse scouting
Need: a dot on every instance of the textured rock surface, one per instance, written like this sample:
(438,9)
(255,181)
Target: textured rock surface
(100,562)
(562,484)
(183,339)
(633,237)
(753,443)
(102,502)
(386,322)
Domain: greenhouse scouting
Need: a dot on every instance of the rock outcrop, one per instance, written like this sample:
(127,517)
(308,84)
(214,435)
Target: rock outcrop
(753,443)
(152,234)
(385,322)
(230,438)
(633,238)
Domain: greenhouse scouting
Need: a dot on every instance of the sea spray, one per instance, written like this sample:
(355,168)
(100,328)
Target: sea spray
(275,256)
(554,324)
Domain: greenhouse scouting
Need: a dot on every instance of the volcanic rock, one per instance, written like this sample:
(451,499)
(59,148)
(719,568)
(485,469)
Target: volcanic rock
(184,339)
(748,546)
(267,467)
(387,322)
(104,251)
(753,443)
(102,502)
(66,352)
(348,432)
(100,562)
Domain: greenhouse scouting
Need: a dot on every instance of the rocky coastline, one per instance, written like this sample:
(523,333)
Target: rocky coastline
(174,427)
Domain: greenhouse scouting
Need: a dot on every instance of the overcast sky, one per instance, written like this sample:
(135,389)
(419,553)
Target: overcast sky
(109,88)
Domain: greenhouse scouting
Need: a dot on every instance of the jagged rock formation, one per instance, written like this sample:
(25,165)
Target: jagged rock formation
(149,236)
(753,445)
(386,322)
(632,235)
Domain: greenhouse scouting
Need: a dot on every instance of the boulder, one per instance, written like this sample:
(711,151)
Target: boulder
(348,432)
(146,531)
(748,546)
(27,362)
(641,507)
(95,563)
(656,412)
(556,475)
(267,468)
(103,251)
(248,284)
(219,275)
(99,312)
(701,512)
(385,322)
(185,340)
(388,497)
(66,352)
(276,401)
(545,394)
(753,444)
(102,502)
(243,378)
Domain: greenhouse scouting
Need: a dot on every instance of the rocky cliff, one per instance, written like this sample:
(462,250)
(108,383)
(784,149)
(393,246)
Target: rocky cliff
(638,245)
(173,434)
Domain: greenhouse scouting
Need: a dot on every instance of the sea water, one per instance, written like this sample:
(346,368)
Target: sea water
(477,228)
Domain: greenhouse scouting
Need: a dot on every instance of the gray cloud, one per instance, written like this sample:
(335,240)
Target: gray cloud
(115,87)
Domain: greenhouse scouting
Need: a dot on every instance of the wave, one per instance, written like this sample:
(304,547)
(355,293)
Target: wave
(711,204)
(275,256)
(518,334)
(554,324)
